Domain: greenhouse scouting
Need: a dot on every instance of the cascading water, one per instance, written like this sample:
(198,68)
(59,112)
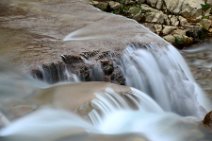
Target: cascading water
(169,90)
(163,74)
(54,73)
(109,101)
(156,127)
(58,125)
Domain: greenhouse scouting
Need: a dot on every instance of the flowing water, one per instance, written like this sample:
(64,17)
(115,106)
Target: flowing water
(166,78)
(164,103)
(200,59)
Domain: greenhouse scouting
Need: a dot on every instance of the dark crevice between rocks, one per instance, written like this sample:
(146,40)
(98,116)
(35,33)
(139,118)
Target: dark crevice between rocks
(101,69)
(198,34)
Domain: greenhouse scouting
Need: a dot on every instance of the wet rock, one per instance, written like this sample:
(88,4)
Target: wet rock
(89,54)
(207,121)
(70,59)
(84,73)
(37,74)
(107,67)
(107,54)
(197,33)
(50,73)
(117,77)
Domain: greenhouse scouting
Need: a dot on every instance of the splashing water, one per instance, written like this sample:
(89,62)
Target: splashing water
(163,74)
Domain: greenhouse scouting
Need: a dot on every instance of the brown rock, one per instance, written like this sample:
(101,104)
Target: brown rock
(180,31)
(114,5)
(107,67)
(169,38)
(101,5)
(206,23)
(69,59)
(183,21)
(210,32)
(207,121)
(158,28)
(174,21)
(168,29)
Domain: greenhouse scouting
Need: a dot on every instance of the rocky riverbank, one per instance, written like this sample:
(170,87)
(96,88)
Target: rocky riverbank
(180,22)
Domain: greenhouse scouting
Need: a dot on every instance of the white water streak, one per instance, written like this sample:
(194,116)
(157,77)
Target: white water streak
(110,101)
(163,74)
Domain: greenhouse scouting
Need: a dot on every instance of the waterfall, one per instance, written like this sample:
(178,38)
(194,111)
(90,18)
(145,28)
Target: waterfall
(96,72)
(110,101)
(162,73)
(114,113)
(54,73)
(163,103)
